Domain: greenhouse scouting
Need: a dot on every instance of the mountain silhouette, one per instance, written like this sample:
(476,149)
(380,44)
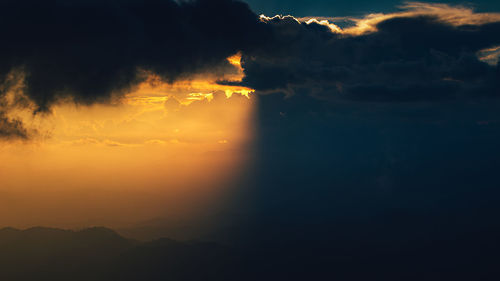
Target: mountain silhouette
(101,254)
(398,251)
(54,254)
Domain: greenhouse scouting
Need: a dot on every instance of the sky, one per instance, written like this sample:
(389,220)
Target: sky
(362,120)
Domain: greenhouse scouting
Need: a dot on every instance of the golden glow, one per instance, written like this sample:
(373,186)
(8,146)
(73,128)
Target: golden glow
(164,150)
(333,28)
(235,60)
(186,91)
(452,14)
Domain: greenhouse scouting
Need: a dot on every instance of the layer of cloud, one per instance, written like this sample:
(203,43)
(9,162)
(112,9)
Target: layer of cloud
(456,15)
(427,53)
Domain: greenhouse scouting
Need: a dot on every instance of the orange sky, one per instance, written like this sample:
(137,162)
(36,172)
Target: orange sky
(164,150)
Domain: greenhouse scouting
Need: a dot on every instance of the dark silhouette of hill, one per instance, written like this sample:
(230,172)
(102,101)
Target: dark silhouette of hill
(400,249)
(53,254)
(101,254)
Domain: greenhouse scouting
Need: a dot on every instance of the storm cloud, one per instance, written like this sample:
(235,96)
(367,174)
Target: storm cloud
(424,54)
(89,51)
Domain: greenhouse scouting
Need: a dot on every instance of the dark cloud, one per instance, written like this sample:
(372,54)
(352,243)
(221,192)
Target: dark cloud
(407,58)
(91,50)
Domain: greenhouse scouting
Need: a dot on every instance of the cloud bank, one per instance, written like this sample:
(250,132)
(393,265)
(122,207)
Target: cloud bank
(425,53)
(92,51)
